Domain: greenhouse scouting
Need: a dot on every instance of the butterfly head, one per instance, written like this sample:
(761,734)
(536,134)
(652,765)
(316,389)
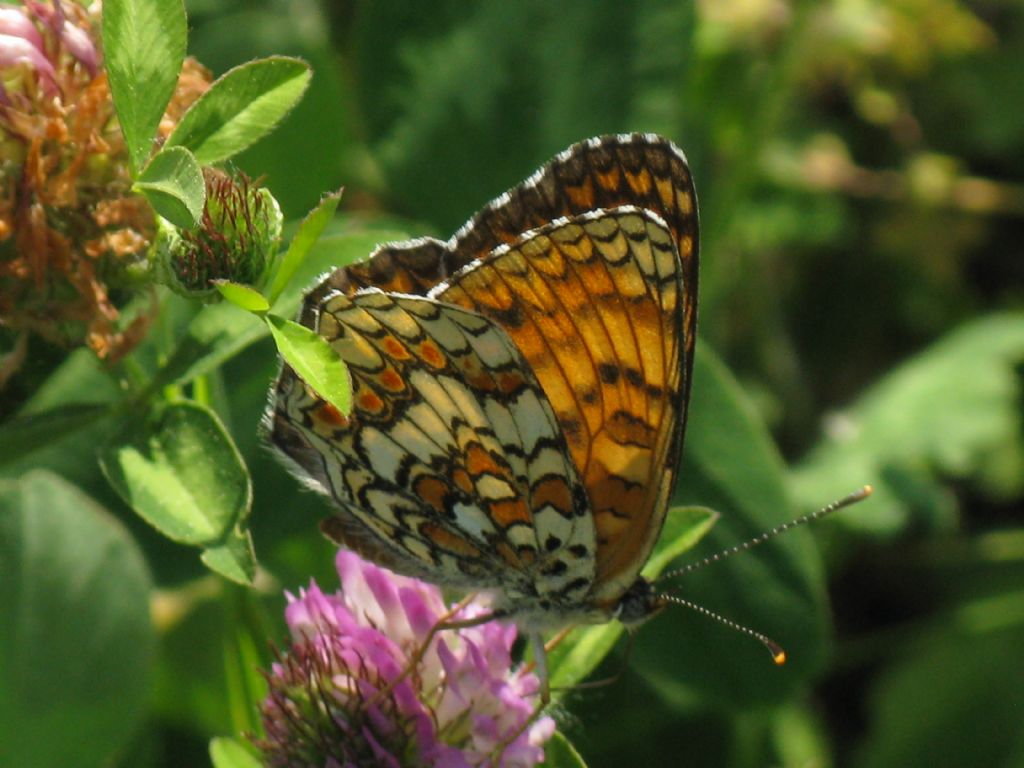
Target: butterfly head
(640,603)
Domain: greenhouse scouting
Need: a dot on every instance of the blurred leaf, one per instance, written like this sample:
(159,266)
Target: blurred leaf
(231,753)
(314,360)
(79,381)
(309,232)
(243,296)
(579,654)
(173,184)
(485,93)
(559,753)
(182,473)
(143,47)
(234,558)
(684,527)
(952,700)
(800,735)
(24,434)
(953,410)
(76,641)
(242,106)
(297,168)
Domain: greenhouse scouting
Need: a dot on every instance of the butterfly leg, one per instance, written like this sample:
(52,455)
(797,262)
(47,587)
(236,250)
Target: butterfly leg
(540,664)
(442,624)
(540,655)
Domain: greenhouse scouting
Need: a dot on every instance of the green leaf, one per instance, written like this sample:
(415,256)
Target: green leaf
(309,232)
(143,47)
(241,107)
(684,527)
(173,184)
(26,433)
(559,753)
(580,653)
(181,472)
(314,360)
(234,558)
(231,753)
(954,410)
(950,684)
(244,296)
(76,640)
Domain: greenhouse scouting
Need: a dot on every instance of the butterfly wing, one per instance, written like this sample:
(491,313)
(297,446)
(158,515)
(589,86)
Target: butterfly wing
(451,460)
(596,304)
(639,169)
(622,414)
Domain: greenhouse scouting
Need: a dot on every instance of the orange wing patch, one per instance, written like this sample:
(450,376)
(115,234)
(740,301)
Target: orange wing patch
(595,305)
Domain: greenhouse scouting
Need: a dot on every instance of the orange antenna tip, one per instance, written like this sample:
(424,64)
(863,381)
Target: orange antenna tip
(778,655)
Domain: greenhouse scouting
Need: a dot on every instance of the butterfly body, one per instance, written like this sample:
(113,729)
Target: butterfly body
(519,392)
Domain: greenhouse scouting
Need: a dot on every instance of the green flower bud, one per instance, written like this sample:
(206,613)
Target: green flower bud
(236,239)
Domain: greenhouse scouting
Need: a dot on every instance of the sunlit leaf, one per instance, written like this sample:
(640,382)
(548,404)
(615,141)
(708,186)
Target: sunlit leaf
(234,558)
(143,47)
(173,184)
(313,360)
(309,232)
(241,107)
(243,296)
(230,753)
(181,471)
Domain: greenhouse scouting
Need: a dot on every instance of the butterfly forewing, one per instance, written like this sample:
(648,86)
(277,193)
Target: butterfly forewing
(594,304)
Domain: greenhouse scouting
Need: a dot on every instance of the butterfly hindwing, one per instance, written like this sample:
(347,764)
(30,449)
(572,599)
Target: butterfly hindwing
(451,463)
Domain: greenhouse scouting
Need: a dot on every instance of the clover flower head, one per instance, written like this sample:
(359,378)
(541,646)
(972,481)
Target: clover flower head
(341,696)
(74,237)
(236,238)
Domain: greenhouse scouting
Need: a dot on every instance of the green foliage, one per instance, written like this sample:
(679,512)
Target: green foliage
(951,411)
(241,107)
(559,753)
(243,296)
(173,184)
(228,753)
(144,45)
(920,716)
(861,199)
(314,361)
(183,474)
(76,643)
(309,232)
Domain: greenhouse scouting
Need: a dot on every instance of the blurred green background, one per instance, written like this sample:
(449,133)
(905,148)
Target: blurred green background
(860,168)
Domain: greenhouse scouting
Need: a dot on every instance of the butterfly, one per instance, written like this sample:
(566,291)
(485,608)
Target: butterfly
(519,392)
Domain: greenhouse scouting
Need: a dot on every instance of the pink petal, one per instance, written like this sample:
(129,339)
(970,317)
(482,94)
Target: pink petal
(15,23)
(15,51)
(80,45)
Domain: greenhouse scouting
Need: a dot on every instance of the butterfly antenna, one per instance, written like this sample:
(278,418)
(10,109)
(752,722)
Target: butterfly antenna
(778,654)
(859,495)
